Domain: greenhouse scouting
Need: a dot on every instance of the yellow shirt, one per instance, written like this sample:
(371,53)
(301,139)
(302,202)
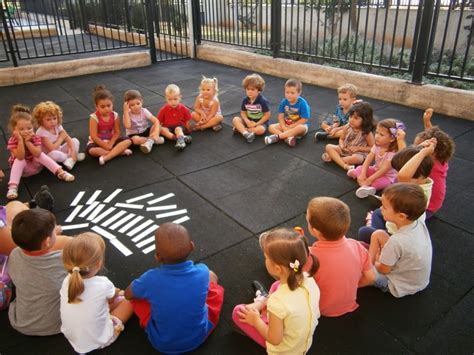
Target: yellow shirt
(299,310)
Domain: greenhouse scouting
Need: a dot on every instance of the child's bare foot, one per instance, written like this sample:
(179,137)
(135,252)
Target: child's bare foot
(58,229)
(427,118)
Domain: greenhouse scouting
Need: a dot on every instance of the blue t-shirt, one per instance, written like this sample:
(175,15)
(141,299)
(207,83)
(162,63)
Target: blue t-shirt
(256,109)
(342,117)
(294,112)
(177,295)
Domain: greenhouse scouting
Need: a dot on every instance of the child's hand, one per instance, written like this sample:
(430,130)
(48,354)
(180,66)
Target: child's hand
(361,179)
(325,126)
(251,124)
(17,135)
(428,146)
(353,149)
(249,316)
(126,107)
(400,134)
(27,136)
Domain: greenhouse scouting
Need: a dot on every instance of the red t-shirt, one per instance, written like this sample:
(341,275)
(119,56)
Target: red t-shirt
(174,116)
(438,175)
(341,265)
(13,144)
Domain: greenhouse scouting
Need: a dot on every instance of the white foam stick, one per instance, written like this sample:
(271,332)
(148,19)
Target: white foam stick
(112,195)
(169,214)
(118,244)
(146,241)
(94,214)
(139,228)
(113,240)
(75,226)
(130,224)
(129,205)
(145,233)
(73,214)
(77,198)
(162,208)
(89,209)
(181,220)
(122,221)
(103,215)
(113,218)
(149,249)
(135,199)
(159,199)
(93,197)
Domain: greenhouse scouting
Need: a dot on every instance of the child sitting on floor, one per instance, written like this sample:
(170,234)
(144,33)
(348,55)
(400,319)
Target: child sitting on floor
(293,115)
(92,311)
(402,260)
(105,140)
(344,262)
(140,125)
(26,156)
(285,321)
(37,272)
(376,177)
(207,110)
(174,118)
(55,141)
(356,139)
(179,302)
(254,111)
(347,96)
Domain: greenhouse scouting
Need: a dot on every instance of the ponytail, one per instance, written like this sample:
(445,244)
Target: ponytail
(76,286)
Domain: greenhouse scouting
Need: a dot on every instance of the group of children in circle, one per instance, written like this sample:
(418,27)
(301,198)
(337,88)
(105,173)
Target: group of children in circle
(393,251)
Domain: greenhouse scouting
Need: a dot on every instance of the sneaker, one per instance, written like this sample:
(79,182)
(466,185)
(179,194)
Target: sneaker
(127,152)
(291,141)
(349,167)
(249,136)
(234,130)
(180,144)
(69,163)
(364,191)
(325,157)
(271,139)
(81,156)
(147,146)
(320,136)
(188,139)
(43,199)
(352,173)
(159,140)
(259,289)
(12,193)
(101,160)
(217,128)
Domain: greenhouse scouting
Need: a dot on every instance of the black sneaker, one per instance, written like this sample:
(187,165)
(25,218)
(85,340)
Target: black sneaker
(43,199)
(320,136)
(259,289)
(188,139)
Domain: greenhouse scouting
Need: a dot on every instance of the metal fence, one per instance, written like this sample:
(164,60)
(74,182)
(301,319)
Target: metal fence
(33,29)
(415,37)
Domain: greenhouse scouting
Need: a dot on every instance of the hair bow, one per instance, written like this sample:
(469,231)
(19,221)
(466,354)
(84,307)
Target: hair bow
(393,130)
(295,266)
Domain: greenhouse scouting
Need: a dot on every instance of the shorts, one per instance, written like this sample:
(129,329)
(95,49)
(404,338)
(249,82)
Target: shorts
(91,145)
(214,301)
(264,124)
(381,280)
(145,133)
(118,328)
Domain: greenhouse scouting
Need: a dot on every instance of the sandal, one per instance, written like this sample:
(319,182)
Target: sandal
(12,193)
(368,219)
(326,158)
(65,176)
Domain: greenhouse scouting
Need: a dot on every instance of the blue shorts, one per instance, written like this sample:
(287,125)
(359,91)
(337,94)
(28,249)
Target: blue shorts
(381,281)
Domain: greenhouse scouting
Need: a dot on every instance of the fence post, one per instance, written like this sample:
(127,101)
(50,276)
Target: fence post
(84,20)
(423,42)
(150,5)
(192,41)
(11,49)
(196,15)
(128,10)
(275,40)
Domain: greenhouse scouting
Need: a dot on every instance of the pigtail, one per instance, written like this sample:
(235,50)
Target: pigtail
(76,286)
(295,277)
(216,87)
(314,265)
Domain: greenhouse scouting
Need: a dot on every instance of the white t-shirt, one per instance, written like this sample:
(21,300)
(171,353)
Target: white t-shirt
(53,137)
(139,123)
(299,310)
(87,325)
(409,253)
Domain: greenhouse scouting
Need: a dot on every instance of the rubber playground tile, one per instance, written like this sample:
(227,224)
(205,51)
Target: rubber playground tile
(24,194)
(33,93)
(464,146)
(220,181)
(261,207)
(74,111)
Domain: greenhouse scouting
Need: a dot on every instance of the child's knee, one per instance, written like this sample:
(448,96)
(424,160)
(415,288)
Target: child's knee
(236,120)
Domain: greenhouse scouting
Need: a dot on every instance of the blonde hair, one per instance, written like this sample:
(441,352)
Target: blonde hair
(172,89)
(47,107)
(81,258)
(348,89)
(330,216)
(19,112)
(212,82)
(255,81)
(285,246)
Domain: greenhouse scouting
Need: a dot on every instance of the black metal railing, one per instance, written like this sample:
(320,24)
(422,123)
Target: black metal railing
(411,37)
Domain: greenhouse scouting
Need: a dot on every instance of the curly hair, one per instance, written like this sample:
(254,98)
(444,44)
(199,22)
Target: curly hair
(47,108)
(445,145)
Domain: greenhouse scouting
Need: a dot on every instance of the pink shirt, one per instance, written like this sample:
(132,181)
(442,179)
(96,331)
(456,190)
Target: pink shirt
(341,265)
(13,144)
(438,175)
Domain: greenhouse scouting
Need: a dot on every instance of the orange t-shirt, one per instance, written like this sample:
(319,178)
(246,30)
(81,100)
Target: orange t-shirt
(341,264)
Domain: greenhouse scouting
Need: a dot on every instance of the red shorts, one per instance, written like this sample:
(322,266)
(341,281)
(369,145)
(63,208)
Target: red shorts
(214,301)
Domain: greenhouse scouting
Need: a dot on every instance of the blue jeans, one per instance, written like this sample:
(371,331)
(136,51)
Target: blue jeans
(378,222)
